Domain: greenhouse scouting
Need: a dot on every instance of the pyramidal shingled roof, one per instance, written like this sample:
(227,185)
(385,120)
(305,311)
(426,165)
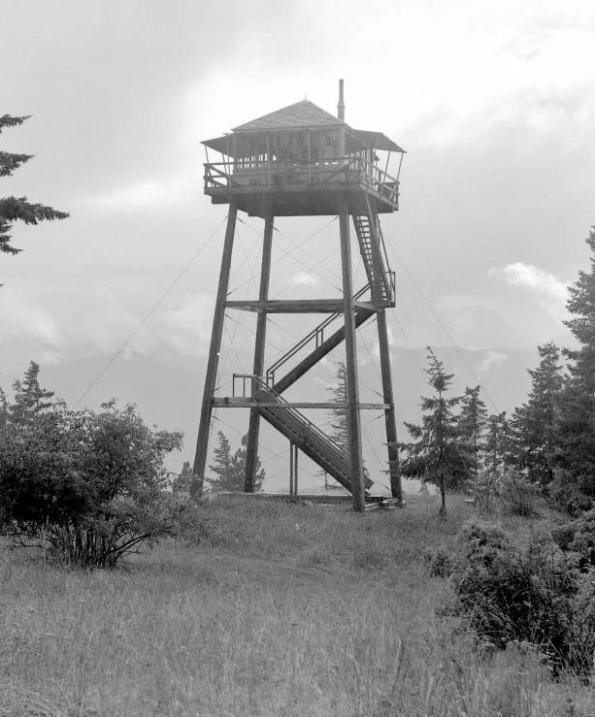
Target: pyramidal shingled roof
(300,114)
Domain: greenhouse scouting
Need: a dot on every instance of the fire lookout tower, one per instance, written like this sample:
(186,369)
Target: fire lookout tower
(301,161)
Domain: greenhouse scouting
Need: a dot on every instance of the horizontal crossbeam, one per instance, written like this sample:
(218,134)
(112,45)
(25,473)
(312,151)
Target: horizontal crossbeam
(232,402)
(298,306)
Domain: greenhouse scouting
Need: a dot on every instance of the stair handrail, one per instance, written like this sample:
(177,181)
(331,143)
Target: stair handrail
(316,333)
(286,406)
(387,274)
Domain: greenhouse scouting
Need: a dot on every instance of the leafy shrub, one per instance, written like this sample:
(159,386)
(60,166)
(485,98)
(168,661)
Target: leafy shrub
(439,561)
(517,494)
(371,556)
(563,535)
(582,637)
(534,594)
(578,536)
(566,494)
(486,490)
(90,486)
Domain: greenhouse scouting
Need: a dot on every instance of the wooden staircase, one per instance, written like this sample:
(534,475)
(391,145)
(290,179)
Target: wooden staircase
(290,422)
(373,253)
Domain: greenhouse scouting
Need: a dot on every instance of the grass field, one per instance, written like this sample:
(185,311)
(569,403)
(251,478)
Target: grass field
(281,610)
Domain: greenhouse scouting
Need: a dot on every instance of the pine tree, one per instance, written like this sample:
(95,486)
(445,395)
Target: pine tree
(496,446)
(30,399)
(471,424)
(18,208)
(182,481)
(223,464)
(339,431)
(3,408)
(535,424)
(577,406)
(435,452)
(230,470)
(239,468)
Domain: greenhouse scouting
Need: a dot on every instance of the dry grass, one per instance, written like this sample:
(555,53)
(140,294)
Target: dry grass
(284,610)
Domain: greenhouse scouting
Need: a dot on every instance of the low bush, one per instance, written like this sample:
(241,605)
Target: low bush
(486,490)
(518,496)
(90,487)
(535,594)
(578,536)
(439,561)
(566,495)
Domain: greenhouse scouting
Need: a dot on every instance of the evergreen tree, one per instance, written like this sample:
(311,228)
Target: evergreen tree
(223,463)
(18,208)
(30,399)
(339,431)
(230,470)
(577,407)
(471,423)
(182,481)
(3,408)
(239,468)
(435,451)
(495,456)
(496,446)
(535,424)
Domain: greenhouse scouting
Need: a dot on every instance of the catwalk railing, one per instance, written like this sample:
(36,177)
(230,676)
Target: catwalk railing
(246,176)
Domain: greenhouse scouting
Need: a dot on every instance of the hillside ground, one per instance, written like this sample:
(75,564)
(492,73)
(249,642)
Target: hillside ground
(281,609)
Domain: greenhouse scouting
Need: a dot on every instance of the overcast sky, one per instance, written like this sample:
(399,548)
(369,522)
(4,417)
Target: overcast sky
(493,101)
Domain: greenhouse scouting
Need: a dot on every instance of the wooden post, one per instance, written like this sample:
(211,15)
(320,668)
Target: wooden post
(259,346)
(291,472)
(389,413)
(353,418)
(202,442)
(295,469)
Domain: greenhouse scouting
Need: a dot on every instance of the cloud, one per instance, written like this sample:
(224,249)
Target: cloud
(109,321)
(21,318)
(186,326)
(491,362)
(546,289)
(302,278)
(474,321)
(495,321)
(181,326)
(150,193)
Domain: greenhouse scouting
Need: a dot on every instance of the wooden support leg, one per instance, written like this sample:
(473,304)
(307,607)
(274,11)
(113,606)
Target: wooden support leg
(259,346)
(202,443)
(389,413)
(353,418)
(291,472)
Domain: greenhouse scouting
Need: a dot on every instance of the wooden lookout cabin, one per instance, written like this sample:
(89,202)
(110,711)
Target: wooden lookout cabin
(297,161)
(301,160)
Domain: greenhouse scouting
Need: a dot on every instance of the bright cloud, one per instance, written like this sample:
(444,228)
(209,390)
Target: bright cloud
(150,193)
(302,278)
(181,326)
(492,361)
(546,289)
(21,318)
